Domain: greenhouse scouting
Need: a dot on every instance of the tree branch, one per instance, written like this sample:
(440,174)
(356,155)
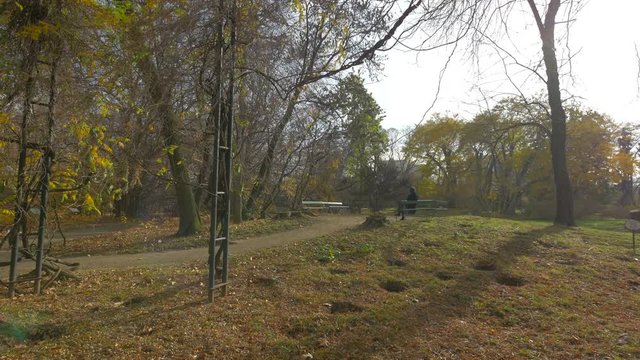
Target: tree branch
(536,15)
(370,52)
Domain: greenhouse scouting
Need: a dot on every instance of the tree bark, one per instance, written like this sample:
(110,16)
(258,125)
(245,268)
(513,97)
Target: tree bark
(187,207)
(564,193)
(237,175)
(20,211)
(240,159)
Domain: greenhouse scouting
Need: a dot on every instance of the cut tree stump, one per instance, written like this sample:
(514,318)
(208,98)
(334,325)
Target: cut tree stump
(375,221)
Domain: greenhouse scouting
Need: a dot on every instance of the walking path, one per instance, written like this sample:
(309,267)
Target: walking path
(325,225)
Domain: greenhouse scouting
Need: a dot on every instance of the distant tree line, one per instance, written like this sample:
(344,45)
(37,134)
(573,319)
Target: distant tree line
(498,161)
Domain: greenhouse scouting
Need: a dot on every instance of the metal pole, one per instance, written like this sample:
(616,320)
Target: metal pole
(44,198)
(44,186)
(213,186)
(13,262)
(228,158)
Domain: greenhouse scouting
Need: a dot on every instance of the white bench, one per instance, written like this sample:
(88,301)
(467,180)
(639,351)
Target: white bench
(330,206)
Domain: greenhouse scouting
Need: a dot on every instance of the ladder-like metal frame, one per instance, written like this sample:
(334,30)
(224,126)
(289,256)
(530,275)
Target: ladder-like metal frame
(220,208)
(43,188)
(221,170)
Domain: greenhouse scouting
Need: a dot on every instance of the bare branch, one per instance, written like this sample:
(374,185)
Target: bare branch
(368,53)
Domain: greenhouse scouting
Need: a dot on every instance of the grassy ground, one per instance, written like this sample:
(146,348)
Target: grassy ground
(458,287)
(159,235)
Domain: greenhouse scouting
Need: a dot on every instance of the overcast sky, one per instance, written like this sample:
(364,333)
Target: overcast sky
(605,69)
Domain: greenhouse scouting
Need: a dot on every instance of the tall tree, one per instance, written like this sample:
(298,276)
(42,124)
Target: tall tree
(367,141)
(564,193)
(157,62)
(448,22)
(590,152)
(625,161)
(438,145)
(329,38)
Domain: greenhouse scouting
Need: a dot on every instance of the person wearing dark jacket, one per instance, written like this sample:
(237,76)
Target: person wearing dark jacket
(410,207)
(413,196)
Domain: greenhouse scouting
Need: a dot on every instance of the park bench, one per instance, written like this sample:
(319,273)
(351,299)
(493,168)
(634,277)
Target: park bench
(329,206)
(426,205)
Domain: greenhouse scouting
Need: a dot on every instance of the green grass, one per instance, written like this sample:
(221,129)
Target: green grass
(452,287)
(605,224)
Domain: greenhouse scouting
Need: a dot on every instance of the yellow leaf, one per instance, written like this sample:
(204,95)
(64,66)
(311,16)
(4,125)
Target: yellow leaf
(89,206)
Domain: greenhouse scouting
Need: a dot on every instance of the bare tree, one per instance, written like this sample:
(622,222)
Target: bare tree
(485,23)
(322,48)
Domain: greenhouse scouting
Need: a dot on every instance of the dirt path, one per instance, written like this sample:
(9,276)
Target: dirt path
(324,226)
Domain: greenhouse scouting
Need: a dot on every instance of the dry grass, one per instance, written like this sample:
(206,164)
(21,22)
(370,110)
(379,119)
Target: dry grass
(456,287)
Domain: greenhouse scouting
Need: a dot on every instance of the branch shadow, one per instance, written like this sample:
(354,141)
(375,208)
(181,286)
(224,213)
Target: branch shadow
(123,313)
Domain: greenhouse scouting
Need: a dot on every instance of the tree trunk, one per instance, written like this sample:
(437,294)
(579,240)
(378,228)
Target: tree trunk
(301,186)
(626,186)
(187,208)
(267,161)
(564,193)
(203,178)
(237,176)
(626,143)
(20,216)
(129,203)
(241,155)
(236,198)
